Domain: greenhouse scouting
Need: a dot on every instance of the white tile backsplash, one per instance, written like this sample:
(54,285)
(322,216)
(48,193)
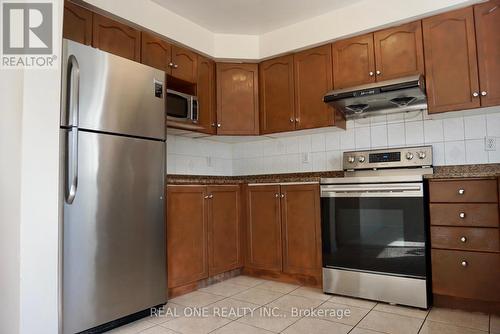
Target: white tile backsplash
(455,140)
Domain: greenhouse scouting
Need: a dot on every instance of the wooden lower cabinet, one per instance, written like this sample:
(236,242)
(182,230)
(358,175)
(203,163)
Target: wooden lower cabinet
(224,229)
(300,220)
(283,231)
(187,258)
(264,228)
(203,232)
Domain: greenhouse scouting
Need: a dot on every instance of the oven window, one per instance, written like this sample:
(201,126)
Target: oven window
(373,234)
(177,106)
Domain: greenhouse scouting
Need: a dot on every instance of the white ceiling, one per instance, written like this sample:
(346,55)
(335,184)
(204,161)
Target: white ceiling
(250,17)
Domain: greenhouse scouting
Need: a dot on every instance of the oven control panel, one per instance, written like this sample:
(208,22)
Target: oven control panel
(420,156)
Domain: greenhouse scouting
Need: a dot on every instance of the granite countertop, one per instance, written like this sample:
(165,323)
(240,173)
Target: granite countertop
(440,172)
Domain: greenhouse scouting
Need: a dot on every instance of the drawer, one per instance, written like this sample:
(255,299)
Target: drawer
(465,238)
(463,191)
(466,274)
(482,215)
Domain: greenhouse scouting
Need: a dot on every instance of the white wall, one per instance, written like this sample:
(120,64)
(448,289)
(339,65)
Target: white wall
(456,138)
(361,16)
(11,97)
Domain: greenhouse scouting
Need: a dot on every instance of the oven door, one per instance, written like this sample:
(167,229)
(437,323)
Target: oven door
(378,228)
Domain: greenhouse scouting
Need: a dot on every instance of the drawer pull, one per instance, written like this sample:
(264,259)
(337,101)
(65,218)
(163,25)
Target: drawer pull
(461,191)
(463,239)
(461,215)
(464,263)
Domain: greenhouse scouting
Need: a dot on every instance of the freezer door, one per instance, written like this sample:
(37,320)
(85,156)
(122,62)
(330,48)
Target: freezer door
(114,94)
(114,261)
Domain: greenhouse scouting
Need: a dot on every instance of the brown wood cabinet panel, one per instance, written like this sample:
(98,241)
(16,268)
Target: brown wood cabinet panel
(487,18)
(478,279)
(473,191)
(264,228)
(300,214)
(115,37)
(399,51)
(237,99)
(224,229)
(313,78)
(155,52)
(451,61)
(77,23)
(184,64)
(187,259)
(465,238)
(353,61)
(464,214)
(205,90)
(277,105)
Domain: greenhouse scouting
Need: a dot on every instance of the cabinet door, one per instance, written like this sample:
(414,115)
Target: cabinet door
(77,23)
(184,64)
(277,110)
(353,61)
(155,52)
(205,90)
(115,37)
(186,235)
(224,229)
(264,228)
(451,61)
(300,214)
(237,99)
(399,51)
(488,50)
(313,78)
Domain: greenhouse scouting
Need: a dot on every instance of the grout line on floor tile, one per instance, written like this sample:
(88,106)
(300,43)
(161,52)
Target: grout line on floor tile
(362,319)
(425,319)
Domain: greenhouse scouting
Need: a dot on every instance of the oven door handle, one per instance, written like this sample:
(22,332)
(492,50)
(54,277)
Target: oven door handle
(414,190)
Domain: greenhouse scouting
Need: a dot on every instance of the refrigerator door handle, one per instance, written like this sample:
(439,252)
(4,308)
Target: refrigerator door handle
(72,156)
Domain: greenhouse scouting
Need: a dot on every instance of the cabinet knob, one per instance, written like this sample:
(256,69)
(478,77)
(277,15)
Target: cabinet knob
(214,125)
(461,191)
(219,125)
(297,120)
(175,65)
(276,195)
(463,239)
(370,73)
(475,94)
(205,197)
(210,196)
(378,73)
(484,93)
(292,120)
(461,215)
(464,263)
(170,64)
(282,195)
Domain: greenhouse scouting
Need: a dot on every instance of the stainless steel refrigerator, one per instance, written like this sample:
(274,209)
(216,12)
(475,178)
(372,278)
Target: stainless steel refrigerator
(112,134)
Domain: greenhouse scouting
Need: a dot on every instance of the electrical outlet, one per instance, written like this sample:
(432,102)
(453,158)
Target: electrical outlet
(490,144)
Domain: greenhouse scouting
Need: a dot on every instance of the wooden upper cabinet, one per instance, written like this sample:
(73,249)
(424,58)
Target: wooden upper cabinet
(155,51)
(115,37)
(264,228)
(300,212)
(186,235)
(224,229)
(487,18)
(237,99)
(313,78)
(184,64)
(205,90)
(353,61)
(277,105)
(77,23)
(399,51)
(451,61)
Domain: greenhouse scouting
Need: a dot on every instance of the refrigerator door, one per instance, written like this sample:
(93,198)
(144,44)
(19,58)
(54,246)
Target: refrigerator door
(115,95)
(114,261)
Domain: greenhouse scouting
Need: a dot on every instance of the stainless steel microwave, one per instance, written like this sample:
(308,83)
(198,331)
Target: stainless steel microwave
(181,107)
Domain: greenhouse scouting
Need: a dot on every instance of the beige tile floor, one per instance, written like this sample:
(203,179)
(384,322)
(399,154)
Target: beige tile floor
(244,293)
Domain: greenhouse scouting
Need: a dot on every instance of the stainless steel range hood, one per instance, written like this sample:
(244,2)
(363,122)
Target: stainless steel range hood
(391,96)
